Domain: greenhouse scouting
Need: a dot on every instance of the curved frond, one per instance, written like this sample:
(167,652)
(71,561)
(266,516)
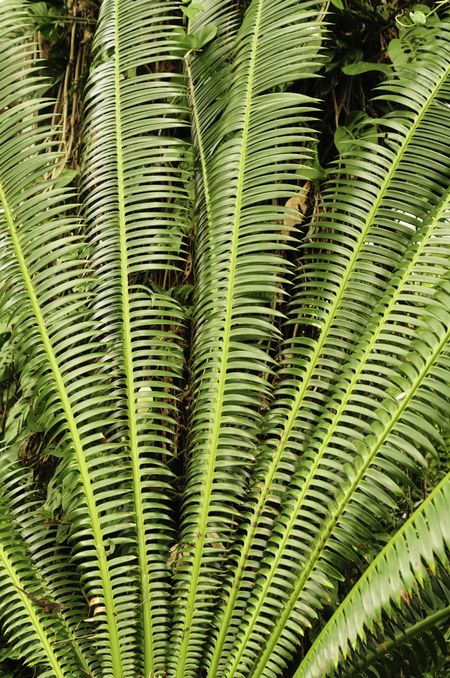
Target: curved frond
(45,291)
(250,153)
(138,213)
(370,213)
(407,560)
(315,357)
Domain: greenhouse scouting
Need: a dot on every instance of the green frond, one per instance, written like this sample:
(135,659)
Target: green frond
(243,415)
(410,639)
(138,214)
(409,557)
(46,563)
(29,628)
(45,292)
(252,137)
(372,216)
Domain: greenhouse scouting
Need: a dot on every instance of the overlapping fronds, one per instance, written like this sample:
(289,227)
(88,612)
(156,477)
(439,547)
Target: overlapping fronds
(384,452)
(309,437)
(44,291)
(411,636)
(354,269)
(249,156)
(50,580)
(137,211)
(28,626)
(409,559)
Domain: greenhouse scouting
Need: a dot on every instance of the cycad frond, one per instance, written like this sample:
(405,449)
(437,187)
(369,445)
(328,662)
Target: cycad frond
(138,213)
(307,437)
(408,559)
(41,638)
(410,638)
(45,290)
(50,575)
(366,247)
(249,159)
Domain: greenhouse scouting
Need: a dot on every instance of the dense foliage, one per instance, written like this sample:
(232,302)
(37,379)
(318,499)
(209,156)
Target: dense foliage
(224,338)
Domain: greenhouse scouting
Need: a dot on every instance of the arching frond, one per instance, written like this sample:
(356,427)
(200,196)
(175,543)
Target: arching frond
(44,292)
(372,217)
(249,154)
(138,214)
(313,417)
(407,560)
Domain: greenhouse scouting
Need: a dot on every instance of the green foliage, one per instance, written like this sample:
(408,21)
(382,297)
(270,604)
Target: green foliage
(224,339)
(408,561)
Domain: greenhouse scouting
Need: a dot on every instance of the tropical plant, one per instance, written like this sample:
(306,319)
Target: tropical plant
(224,370)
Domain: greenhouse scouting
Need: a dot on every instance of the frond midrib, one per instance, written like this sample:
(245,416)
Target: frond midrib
(212,452)
(198,129)
(76,439)
(303,387)
(126,321)
(46,644)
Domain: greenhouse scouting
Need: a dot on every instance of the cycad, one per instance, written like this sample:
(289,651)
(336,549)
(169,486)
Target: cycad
(317,360)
